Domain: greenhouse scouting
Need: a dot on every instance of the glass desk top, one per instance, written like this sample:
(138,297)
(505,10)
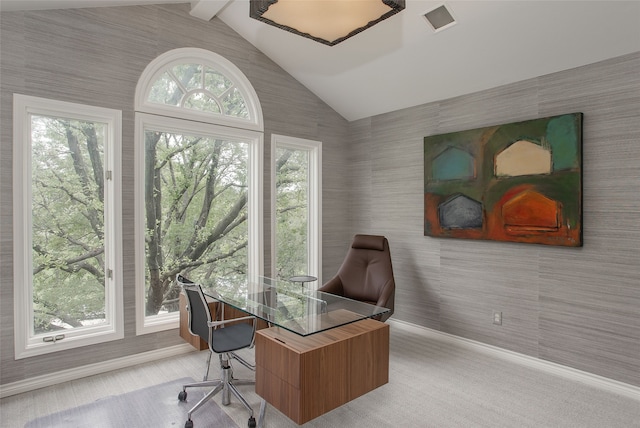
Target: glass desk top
(288,305)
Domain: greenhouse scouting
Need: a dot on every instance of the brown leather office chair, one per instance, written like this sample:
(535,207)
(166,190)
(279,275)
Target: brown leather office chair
(366,274)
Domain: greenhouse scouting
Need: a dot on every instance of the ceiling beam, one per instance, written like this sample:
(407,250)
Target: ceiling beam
(207,9)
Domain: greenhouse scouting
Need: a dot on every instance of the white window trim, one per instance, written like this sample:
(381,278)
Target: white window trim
(190,121)
(208,58)
(150,324)
(315,199)
(25,345)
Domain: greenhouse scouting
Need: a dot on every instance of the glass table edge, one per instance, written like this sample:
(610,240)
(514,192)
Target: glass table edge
(379,310)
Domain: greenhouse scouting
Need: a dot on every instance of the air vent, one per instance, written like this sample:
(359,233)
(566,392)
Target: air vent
(439,18)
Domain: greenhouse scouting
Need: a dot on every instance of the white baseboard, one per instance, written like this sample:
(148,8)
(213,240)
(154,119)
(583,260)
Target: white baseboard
(570,373)
(43,381)
(594,380)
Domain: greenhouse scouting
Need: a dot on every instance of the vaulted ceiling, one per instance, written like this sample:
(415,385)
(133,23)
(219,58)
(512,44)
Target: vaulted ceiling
(402,62)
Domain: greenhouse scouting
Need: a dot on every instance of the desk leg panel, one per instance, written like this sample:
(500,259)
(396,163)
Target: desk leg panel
(281,360)
(323,374)
(369,361)
(279,394)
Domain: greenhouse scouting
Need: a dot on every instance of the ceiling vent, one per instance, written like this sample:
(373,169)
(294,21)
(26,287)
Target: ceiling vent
(440,18)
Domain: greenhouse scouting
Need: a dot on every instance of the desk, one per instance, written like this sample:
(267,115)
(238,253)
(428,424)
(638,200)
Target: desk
(305,377)
(322,350)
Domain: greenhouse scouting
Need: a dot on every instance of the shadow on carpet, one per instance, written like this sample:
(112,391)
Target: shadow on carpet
(153,407)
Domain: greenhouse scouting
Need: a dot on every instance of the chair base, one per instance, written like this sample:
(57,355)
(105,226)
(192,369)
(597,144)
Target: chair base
(226,384)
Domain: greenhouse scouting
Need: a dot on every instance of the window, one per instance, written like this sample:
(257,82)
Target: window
(296,206)
(198,85)
(67,272)
(198,193)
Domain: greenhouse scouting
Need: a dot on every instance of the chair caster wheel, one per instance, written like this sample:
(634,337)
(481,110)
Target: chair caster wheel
(188,424)
(183,397)
(252,422)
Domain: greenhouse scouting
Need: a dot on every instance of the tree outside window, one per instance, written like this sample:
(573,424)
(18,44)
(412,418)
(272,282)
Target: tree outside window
(199,161)
(297,206)
(195,212)
(292,220)
(67,232)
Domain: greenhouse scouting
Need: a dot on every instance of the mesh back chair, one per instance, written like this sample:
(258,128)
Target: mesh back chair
(223,340)
(366,274)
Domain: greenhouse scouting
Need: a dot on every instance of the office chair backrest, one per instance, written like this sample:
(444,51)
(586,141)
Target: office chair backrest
(199,313)
(366,270)
(366,274)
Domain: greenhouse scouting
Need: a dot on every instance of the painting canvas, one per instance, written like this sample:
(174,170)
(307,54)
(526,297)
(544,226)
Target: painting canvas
(517,182)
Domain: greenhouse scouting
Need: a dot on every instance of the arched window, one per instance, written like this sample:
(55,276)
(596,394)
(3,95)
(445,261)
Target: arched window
(199,151)
(196,84)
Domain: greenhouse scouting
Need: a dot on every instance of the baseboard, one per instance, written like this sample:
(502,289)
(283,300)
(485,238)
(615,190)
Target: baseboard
(570,373)
(43,381)
(594,380)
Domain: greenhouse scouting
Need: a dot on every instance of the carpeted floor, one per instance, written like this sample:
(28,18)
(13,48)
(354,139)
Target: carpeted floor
(433,383)
(153,407)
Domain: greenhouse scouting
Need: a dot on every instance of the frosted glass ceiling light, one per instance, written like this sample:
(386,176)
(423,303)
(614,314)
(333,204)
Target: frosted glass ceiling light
(326,21)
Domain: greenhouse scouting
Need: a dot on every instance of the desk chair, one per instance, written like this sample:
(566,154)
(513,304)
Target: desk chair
(366,274)
(223,340)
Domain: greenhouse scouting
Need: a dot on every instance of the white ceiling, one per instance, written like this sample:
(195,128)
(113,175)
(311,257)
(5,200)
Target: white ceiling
(402,62)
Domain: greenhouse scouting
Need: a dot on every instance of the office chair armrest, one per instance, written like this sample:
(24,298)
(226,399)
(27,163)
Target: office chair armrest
(333,286)
(222,322)
(386,293)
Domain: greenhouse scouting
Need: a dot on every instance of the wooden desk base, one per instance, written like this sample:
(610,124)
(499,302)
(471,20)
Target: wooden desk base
(305,377)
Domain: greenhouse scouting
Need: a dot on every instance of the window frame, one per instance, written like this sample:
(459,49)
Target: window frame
(27,344)
(150,324)
(195,121)
(207,58)
(314,226)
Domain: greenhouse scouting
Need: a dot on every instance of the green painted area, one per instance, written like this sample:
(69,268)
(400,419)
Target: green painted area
(562,135)
(453,164)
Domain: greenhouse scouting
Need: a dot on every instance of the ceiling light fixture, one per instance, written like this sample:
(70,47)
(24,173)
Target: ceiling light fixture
(326,21)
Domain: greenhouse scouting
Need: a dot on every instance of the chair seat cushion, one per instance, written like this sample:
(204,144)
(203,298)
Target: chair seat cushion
(232,337)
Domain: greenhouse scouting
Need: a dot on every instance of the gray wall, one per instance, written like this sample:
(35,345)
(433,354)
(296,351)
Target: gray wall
(95,56)
(577,307)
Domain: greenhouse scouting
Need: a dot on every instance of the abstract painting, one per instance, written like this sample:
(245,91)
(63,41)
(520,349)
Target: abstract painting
(517,182)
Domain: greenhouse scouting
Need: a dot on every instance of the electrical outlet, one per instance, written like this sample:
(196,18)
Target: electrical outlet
(497,317)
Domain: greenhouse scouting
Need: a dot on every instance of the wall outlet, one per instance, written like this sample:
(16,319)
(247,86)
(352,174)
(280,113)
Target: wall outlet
(497,317)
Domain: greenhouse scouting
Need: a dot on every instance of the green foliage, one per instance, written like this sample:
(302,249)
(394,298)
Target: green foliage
(67,223)
(292,193)
(196,212)
(195,207)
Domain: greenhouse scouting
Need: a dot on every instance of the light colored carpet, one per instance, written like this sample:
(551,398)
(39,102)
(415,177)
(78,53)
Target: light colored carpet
(433,383)
(155,406)
(436,383)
